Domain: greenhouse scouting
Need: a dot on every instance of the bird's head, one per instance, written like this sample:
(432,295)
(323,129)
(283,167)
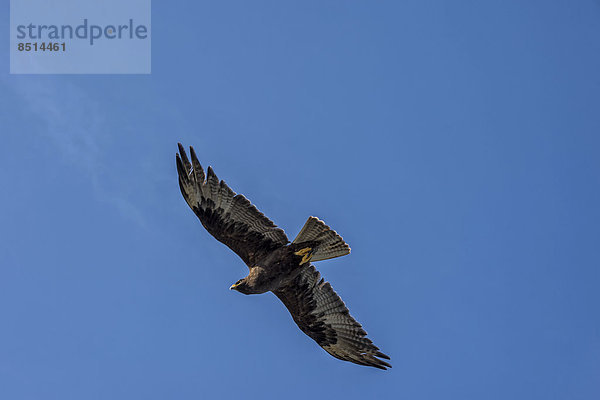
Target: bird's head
(241,286)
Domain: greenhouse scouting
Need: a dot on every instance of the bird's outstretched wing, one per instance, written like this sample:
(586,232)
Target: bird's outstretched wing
(229,217)
(321,314)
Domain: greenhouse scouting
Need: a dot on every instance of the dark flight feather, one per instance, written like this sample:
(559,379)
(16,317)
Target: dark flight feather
(229,217)
(321,314)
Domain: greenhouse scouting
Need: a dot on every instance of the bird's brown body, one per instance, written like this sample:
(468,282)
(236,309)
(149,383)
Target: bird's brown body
(274,271)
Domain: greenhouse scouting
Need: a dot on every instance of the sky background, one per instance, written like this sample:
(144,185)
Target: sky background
(454,145)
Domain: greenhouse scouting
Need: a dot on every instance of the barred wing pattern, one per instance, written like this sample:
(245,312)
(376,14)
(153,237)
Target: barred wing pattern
(321,314)
(228,216)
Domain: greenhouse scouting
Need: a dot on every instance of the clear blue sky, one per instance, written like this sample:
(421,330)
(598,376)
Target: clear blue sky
(454,145)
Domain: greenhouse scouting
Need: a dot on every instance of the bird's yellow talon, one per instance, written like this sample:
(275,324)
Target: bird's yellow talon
(306,258)
(303,251)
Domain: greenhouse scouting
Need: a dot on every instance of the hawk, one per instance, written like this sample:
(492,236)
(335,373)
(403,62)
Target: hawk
(278,266)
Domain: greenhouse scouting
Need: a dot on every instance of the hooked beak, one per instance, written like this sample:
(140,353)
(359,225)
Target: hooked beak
(233,286)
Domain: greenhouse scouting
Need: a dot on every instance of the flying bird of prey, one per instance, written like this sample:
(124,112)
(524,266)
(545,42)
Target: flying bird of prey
(278,266)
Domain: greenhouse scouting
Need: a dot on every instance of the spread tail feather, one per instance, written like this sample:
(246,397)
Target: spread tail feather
(330,244)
